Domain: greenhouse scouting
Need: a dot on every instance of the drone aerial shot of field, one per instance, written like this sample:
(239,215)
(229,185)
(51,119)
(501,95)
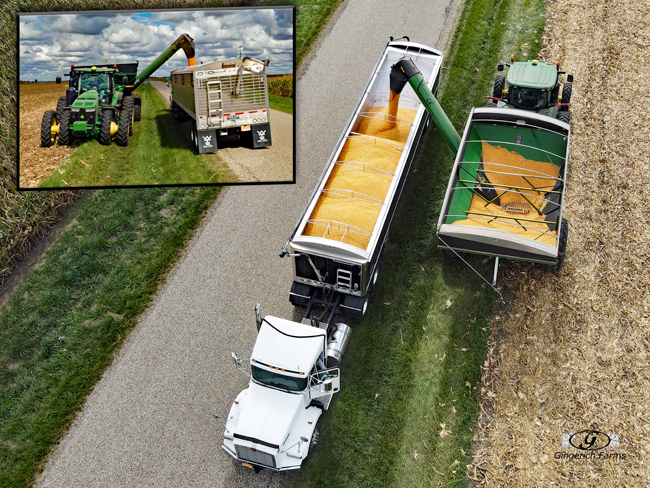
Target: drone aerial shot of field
(89,116)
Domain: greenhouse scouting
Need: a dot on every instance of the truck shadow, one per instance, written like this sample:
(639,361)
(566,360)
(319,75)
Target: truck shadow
(174,134)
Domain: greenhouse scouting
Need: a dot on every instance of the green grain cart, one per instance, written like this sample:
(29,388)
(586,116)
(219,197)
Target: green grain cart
(100,102)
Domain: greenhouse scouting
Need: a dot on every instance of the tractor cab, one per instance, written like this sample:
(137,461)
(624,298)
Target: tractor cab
(97,81)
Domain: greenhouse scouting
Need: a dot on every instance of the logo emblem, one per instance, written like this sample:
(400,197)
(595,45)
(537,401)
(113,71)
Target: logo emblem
(261,135)
(589,440)
(207,141)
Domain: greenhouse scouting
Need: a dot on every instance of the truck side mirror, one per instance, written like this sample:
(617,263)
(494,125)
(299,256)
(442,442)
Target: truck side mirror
(236,360)
(258,317)
(58,80)
(500,67)
(569,78)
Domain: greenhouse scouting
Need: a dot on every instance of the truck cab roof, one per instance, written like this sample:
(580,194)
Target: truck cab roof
(290,347)
(532,74)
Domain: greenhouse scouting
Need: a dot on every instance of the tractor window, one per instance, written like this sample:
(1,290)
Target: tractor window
(95,81)
(528,98)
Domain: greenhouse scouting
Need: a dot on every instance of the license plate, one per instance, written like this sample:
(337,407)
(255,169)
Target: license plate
(247,465)
(245,127)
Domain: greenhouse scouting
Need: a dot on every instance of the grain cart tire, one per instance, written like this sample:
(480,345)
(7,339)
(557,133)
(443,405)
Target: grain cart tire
(561,249)
(137,107)
(564,116)
(127,104)
(355,307)
(124,124)
(65,138)
(47,124)
(105,128)
(300,294)
(499,82)
(59,107)
(491,105)
(566,94)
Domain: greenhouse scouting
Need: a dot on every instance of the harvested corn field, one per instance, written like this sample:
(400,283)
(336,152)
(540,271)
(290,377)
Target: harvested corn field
(572,352)
(36,162)
(349,206)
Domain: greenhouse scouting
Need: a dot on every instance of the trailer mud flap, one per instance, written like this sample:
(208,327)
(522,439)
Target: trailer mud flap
(207,141)
(261,135)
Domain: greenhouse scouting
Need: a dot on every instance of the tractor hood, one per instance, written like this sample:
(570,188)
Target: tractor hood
(86,100)
(267,416)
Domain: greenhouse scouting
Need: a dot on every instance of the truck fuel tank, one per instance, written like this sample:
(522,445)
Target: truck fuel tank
(336,344)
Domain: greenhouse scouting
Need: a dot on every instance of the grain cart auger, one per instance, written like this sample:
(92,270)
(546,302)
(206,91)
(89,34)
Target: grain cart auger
(506,191)
(100,102)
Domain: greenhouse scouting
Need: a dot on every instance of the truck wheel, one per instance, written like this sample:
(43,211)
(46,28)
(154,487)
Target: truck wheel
(499,82)
(124,125)
(175,111)
(64,128)
(48,136)
(355,307)
(564,116)
(137,108)
(59,107)
(315,436)
(300,294)
(566,94)
(105,128)
(195,138)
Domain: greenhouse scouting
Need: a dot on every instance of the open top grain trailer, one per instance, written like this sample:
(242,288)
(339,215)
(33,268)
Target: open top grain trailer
(223,97)
(337,243)
(506,191)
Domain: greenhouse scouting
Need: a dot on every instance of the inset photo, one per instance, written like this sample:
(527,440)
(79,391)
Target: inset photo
(156,98)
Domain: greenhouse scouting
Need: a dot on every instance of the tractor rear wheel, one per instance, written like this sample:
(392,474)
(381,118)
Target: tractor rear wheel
(499,82)
(491,105)
(137,108)
(128,104)
(105,128)
(59,107)
(48,136)
(564,116)
(124,125)
(566,94)
(64,128)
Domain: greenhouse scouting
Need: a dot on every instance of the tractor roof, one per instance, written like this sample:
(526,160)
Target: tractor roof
(532,74)
(122,64)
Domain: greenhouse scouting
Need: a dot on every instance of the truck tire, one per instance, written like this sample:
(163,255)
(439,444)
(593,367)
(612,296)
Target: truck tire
(175,114)
(124,125)
(315,436)
(65,138)
(59,107)
(355,307)
(499,83)
(300,294)
(137,108)
(195,138)
(105,128)
(566,94)
(564,116)
(128,104)
(48,122)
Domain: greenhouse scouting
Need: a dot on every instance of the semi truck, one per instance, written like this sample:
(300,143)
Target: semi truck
(222,98)
(100,102)
(338,241)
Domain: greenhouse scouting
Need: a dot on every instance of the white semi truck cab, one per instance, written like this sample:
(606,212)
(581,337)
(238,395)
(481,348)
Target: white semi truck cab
(273,423)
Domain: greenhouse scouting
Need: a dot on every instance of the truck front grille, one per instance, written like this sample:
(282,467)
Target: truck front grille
(255,456)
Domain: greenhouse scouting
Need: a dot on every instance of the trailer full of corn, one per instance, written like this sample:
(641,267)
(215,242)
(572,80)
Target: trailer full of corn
(223,98)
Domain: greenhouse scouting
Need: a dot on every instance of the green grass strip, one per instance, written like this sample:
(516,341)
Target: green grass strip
(283,104)
(408,402)
(159,152)
(62,324)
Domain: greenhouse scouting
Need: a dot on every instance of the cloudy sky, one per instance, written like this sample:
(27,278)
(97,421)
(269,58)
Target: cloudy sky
(49,44)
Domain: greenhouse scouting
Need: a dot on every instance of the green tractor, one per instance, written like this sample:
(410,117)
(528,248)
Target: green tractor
(534,86)
(100,102)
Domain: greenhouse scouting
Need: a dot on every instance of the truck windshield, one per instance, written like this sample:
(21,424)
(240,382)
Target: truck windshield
(279,380)
(528,98)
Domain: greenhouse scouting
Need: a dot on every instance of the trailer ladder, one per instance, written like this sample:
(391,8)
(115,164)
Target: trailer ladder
(344,279)
(215,103)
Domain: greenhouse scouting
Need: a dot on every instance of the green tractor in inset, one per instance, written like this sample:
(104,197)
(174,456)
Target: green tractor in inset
(534,86)
(100,102)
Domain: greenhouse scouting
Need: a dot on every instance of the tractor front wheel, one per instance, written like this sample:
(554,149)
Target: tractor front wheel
(64,128)
(499,82)
(105,128)
(48,128)
(564,116)
(124,125)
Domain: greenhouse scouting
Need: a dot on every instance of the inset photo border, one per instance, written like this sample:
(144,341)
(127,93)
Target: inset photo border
(140,98)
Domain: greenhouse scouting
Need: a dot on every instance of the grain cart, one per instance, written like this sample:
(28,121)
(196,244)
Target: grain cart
(223,97)
(506,190)
(99,100)
(337,243)
(294,369)
(533,85)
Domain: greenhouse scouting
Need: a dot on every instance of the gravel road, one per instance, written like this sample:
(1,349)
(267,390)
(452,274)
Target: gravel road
(270,164)
(148,422)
